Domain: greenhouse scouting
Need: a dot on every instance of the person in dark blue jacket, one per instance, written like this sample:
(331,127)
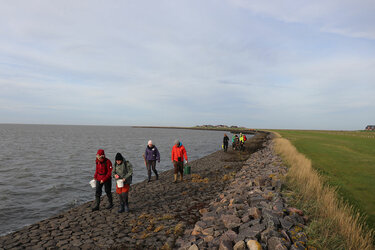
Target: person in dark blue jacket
(151,156)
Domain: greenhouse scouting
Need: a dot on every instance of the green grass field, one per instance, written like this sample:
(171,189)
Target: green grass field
(346,160)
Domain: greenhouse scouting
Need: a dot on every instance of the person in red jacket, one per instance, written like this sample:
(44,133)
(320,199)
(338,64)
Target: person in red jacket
(103,176)
(178,155)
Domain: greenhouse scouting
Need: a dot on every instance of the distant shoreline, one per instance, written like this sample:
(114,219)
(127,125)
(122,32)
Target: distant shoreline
(231,130)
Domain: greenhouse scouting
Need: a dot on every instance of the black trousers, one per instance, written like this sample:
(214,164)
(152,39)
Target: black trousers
(225,146)
(151,164)
(107,187)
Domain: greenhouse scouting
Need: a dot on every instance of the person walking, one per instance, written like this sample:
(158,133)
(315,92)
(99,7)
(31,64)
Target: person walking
(178,155)
(242,141)
(151,156)
(225,142)
(123,170)
(103,178)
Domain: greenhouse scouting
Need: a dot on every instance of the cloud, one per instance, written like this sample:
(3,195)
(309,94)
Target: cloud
(185,63)
(348,18)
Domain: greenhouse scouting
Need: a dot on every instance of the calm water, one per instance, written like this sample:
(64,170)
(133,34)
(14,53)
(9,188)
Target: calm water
(45,169)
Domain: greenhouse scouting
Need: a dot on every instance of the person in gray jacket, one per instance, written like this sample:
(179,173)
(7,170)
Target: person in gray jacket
(123,169)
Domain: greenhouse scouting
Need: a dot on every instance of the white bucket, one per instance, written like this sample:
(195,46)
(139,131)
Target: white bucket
(120,183)
(93,183)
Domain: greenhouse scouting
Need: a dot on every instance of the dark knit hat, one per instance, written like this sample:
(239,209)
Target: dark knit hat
(119,157)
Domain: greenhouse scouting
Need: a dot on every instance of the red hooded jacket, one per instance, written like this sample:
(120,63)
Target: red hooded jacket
(103,170)
(178,152)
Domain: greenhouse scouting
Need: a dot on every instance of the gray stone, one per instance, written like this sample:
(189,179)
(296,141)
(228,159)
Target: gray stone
(225,245)
(193,247)
(230,221)
(254,213)
(208,231)
(269,233)
(275,243)
(286,223)
(239,246)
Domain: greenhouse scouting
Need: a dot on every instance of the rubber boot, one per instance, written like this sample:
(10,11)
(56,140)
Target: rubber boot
(110,201)
(97,203)
(175,178)
(126,201)
(157,176)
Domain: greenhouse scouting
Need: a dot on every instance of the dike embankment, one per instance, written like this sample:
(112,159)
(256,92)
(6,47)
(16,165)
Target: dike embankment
(231,201)
(160,210)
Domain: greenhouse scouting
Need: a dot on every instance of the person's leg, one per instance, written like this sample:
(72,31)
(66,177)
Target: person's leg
(154,169)
(181,170)
(175,165)
(98,193)
(107,188)
(149,163)
(122,203)
(125,197)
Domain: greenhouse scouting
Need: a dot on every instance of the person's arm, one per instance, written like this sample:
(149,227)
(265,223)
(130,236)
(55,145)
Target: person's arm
(146,153)
(157,154)
(109,171)
(172,154)
(130,170)
(114,171)
(96,172)
(184,153)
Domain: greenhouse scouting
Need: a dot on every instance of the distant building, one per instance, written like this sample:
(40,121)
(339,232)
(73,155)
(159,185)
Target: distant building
(370,127)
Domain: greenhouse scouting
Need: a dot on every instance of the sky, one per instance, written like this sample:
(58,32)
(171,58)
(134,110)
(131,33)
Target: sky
(259,64)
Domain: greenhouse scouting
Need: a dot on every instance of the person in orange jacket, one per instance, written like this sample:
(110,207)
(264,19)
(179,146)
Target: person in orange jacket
(178,155)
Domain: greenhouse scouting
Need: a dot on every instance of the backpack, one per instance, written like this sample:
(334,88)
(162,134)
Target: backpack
(128,180)
(244,138)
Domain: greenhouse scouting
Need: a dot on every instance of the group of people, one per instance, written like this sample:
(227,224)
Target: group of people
(123,170)
(237,142)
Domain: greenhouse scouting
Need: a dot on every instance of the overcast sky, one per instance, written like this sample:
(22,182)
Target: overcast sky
(259,64)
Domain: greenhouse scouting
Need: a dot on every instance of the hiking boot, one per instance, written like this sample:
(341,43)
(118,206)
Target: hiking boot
(110,200)
(121,208)
(126,208)
(97,203)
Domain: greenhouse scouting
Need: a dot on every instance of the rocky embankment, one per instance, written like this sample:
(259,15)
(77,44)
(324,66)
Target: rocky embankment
(250,213)
(160,210)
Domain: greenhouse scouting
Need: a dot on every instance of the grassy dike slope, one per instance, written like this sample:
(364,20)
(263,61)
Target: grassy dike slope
(346,160)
